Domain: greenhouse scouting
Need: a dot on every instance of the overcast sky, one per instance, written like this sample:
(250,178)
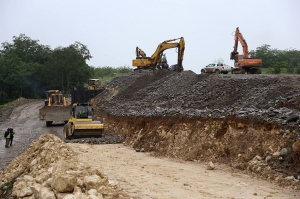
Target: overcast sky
(111,29)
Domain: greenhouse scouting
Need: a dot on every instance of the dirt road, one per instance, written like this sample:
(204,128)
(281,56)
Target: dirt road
(140,174)
(147,177)
(24,118)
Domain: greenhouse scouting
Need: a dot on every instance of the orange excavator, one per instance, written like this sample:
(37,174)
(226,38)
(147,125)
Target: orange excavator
(242,62)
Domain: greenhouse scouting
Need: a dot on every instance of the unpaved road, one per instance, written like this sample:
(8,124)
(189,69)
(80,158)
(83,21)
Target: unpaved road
(140,174)
(148,177)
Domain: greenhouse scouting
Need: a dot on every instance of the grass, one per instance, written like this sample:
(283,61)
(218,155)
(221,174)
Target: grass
(2,106)
(269,71)
(108,78)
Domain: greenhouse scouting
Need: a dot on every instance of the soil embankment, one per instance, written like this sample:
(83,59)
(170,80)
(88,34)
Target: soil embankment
(250,122)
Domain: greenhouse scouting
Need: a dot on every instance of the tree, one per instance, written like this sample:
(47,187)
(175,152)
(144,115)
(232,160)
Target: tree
(274,58)
(21,65)
(264,52)
(67,68)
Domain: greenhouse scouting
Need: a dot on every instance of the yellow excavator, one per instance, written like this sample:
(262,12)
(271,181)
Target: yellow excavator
(81,124)
(142,62)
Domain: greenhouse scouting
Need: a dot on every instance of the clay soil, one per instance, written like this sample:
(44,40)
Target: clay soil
(185,135)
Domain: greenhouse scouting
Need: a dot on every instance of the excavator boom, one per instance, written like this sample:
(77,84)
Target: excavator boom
(239,38)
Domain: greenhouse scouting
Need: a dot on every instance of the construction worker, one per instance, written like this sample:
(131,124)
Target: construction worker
(82,114)
(7,137)
(12,133)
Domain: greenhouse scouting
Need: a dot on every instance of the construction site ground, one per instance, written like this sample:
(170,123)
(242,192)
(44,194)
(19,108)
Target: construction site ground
(171,135)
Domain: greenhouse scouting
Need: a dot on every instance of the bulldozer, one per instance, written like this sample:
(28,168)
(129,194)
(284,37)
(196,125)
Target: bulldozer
(55,108)
(81,124)
(94,84)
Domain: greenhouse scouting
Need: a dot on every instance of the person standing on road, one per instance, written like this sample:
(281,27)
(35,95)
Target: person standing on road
(12,133)
(7,138)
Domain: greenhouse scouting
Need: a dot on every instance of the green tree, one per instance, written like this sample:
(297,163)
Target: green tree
(274,58)
(21,65)
(67,68)
(264,52)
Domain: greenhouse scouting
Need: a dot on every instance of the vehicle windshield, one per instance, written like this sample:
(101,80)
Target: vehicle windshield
(83,112)
(91,83)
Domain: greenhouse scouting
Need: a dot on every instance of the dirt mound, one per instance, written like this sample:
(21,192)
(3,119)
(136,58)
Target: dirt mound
(250,122)
(50,169)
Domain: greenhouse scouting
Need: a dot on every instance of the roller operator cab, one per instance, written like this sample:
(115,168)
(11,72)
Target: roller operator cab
(81,123)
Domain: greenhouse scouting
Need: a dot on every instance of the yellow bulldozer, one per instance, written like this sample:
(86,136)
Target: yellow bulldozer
(81,124)
(94,84)
(55,108)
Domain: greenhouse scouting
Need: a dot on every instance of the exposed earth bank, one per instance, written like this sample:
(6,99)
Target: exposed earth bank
(236,129)
(250,122)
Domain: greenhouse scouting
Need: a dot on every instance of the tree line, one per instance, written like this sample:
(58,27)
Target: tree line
(278,61)
(29,69)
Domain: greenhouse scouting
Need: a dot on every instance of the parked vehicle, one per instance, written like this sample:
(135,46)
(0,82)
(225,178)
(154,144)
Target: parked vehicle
(217,67)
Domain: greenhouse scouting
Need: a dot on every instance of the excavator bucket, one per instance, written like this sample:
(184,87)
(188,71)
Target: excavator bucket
(233,54)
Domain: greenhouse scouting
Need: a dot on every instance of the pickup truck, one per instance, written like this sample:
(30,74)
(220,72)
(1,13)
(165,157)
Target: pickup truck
(217,68)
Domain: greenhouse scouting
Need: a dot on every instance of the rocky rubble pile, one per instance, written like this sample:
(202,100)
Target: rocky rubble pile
(49,169)
(269,98)
(107,138)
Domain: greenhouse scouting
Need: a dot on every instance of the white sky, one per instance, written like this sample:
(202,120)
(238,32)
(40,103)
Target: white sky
(111,29)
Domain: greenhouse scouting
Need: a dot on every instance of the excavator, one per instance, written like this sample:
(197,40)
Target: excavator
(142,62)
(242,62)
